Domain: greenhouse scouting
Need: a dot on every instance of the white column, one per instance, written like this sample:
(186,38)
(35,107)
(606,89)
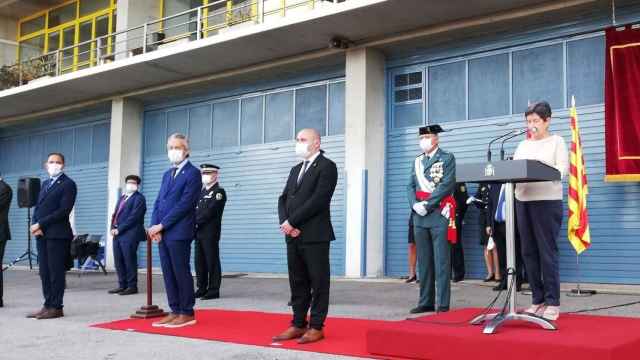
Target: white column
(125,154)
(365,162)
(133,13)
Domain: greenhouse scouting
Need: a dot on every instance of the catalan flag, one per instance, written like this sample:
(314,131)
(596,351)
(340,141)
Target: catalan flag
(578,224)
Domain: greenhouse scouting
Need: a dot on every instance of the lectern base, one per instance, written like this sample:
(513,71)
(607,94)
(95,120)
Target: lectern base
(148,312)
(497,319)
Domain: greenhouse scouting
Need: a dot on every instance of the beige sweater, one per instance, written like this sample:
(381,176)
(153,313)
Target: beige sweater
(552,151)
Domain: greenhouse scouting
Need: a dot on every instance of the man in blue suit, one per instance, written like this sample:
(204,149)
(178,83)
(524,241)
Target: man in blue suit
(173,228)
(127,229)
(52,230)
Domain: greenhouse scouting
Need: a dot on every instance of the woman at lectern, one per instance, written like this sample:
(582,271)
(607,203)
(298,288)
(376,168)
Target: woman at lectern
(539,212)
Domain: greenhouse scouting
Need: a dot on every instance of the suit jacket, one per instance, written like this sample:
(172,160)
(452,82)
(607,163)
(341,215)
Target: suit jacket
(130,220)
(307,206)
(5,202)
(209,213)
(54,206)
(175,206)
(492,204)
(444,187)
(461,195)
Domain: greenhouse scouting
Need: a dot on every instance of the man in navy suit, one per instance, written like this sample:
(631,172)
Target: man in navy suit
(173,228)
(127,229)
(52,230)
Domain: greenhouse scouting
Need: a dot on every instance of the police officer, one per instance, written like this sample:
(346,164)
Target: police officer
(208,222)
(481,201)
(457,253)
(429,193)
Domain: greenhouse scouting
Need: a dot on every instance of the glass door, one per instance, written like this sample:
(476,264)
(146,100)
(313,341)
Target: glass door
(68,54)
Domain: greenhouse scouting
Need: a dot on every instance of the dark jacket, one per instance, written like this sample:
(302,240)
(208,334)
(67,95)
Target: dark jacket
(209,213)
(5,203)
(461,195)
(307,206)
(175,207)
(54,206)
(130,221)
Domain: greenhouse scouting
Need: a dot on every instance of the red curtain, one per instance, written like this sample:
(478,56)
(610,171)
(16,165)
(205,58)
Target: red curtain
(622,104)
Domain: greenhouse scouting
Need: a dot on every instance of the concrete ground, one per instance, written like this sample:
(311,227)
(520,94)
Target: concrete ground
(86,302)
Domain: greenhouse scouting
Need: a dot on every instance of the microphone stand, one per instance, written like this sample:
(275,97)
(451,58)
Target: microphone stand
(509,138)
(494,140)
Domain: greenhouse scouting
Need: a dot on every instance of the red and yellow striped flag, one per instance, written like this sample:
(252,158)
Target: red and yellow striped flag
(578,224)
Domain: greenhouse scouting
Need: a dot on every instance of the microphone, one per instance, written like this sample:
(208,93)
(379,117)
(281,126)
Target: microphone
(494,140)
(515,133)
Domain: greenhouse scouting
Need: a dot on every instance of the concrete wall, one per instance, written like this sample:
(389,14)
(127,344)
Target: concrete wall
(8,43)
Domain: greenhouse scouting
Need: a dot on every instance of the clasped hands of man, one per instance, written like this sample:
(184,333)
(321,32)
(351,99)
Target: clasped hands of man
(287,229)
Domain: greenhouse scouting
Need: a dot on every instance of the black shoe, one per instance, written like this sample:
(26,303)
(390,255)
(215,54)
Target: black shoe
(411,279)
(458,279)
(1,303)
(200,293)
(129,291)
(443,309)
(422,309)
(210,296)
(500,287)
(490,278)
(116,291)
(289,303)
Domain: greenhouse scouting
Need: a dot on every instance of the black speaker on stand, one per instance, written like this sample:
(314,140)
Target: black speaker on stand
(28,192)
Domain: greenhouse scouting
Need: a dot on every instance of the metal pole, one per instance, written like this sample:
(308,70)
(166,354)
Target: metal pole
(199,24)
(511,243)
(57,62)
(144,37)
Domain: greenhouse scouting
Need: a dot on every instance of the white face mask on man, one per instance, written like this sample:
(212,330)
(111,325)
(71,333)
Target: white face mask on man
(176,156)
(54,169)
(426,144)
(302,150)
(130,188)
(207,179)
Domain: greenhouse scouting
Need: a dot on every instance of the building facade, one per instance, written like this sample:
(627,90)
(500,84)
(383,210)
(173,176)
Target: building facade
(105,82)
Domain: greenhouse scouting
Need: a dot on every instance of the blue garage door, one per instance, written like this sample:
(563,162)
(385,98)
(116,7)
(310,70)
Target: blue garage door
(250,138)
(84,140)
(484,95)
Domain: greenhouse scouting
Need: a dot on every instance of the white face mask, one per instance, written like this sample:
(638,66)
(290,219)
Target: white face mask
(426,144)
(130,188)
(176,156)
(302,150)
(207,179)
(54,169)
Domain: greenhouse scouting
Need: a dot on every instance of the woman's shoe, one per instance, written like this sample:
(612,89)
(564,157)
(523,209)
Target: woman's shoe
(411,279)
(489,278)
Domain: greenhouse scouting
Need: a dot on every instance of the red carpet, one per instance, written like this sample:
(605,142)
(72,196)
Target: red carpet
(579,337)
(343,336)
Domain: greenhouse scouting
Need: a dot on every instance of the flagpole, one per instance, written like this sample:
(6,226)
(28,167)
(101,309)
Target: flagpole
(578,292)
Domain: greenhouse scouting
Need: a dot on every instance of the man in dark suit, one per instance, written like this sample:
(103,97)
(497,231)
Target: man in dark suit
(208,225)
(305,218)
(127,229)
(457,252)
(5,235)
(53,233)
(173,228)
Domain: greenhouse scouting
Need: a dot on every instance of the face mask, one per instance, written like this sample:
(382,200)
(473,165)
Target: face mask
(426,144)
(207,179)
(176,156)
(54,169)
(130,188)
(302,150)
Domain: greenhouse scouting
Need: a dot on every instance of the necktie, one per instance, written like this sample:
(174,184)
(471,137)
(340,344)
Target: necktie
(304,169)
(115,217)
(51,182)
(173,174)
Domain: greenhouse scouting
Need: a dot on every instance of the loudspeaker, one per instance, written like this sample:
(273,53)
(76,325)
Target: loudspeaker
(28,191)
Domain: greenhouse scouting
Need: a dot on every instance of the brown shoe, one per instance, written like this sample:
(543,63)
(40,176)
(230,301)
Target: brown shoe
(37,313)
(311,336)
(51,314)
(165,320)
(181,321)
(290,334)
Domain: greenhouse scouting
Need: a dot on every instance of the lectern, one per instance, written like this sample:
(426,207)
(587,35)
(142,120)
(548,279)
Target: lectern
(508,172)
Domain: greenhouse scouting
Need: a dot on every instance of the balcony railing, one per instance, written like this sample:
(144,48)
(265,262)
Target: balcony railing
(191,25)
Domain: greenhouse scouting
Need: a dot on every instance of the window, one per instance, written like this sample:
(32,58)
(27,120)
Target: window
(251,121)
(33,25)
(447,99)
(200,127)
(31,48)
(489,86)
(88,7)
(585,78)
(537,75)
(408,99)
(225,124)
(311,108)
(278,121)
(62,15)
(336,108)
